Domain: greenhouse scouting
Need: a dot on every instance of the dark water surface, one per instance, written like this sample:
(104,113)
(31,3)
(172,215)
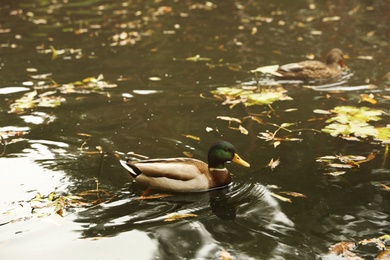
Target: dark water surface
(159,98)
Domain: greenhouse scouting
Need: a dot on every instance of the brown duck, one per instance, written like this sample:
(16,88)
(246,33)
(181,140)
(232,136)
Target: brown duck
(315,70)
(186,174)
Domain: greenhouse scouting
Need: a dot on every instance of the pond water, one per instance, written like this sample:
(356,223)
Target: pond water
(149,69)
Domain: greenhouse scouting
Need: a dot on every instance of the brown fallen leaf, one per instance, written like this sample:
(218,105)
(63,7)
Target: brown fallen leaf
(225,255)
(294,194)
(384,255)
(376,241)
(154,196)
(343,249)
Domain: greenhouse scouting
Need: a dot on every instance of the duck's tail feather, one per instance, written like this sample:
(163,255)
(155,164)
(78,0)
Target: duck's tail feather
(134,171)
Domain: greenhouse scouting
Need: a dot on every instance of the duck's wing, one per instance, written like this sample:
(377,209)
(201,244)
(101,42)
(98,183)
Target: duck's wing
(176,174)
(303,65)
(173,168)
(291,67)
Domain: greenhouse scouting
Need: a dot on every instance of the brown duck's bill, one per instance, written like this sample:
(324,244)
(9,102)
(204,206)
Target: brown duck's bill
(240,161)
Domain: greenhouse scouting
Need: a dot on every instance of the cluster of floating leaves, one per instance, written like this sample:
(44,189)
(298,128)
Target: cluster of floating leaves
(343,162)
(250,97)
(346,249)
(33,99)
(52,97)
(352,123)
(87,86)
(59,205)
(10,135)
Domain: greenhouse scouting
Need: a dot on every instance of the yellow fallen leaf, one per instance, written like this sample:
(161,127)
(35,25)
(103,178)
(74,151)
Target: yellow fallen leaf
(343,248)
(177,216)
(188,154)
(368,98)
(386,187)
(192,137)
(281,197)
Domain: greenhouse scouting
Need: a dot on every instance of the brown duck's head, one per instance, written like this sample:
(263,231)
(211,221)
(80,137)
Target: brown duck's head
(335,58)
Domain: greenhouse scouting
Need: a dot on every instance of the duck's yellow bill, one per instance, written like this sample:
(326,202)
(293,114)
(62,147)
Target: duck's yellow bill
(240,161)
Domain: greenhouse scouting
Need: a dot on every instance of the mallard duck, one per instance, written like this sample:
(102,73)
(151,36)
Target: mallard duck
(315,70)
(186,174)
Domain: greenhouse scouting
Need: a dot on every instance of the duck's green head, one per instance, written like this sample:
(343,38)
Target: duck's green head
(221,152)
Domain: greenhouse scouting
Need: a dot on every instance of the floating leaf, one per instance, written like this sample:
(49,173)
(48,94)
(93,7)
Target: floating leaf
(188,154)
(87,85)
(335,173)
(177,216)
(209,129)
(386,187)
(340,165)
(227,118)
(196,138)
(235,96)
(376,241)
(346,114)
(243,130)
(271,69)
(349,121)
(343,249)
(154,196)
(321,111)
(384,255)
(154,78)
(276,144)
(281,197)
(368,98)
(198,58)
(225,255)
(383,134)
(272,164)
(294,194)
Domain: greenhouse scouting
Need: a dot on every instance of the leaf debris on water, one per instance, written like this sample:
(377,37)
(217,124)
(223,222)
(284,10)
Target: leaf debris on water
(234,96)
(196,138)
(353,122)
(178,216)
(273,163)
(280,197)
